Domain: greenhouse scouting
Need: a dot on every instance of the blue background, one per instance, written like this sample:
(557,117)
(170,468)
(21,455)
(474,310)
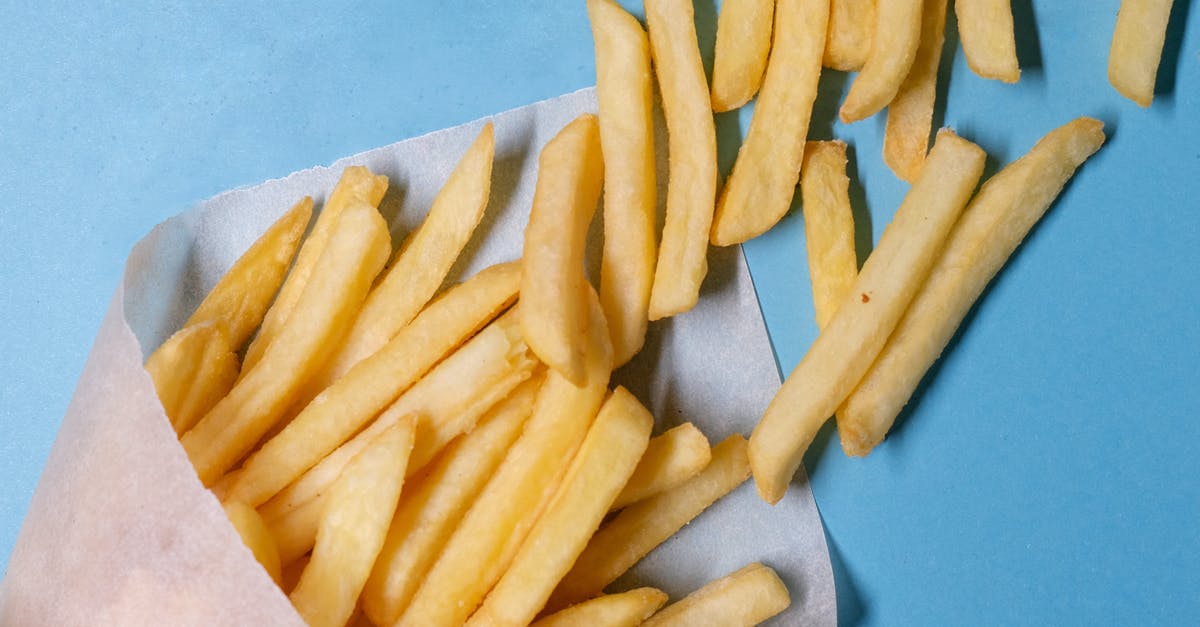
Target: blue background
(1047,473)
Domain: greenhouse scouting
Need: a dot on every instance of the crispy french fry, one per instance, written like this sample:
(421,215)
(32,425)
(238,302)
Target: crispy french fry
(358,247)
(255,536)
(486,541)
(192,371)
(692,149)
(605,461)
(554,302)
(760,188)
(296,533)
(910,115)
(624,609)
(642,526)
(435,504)
(990,229)
(986,30)
(828,227)
(893,49)
(357,186)
(746,597)
(851,29)
(353,526)
(625,98)
(669,460)
(341,410)
(846,347)
(423,261)
(743,42)
(1137,46)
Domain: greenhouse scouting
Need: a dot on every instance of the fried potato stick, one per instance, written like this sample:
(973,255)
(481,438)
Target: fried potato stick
(743,42)
(1137,46)
(255,536)
(910,115)
(897,36)
(851,29)
(670,459)
(743,598)
(828,227)
(192,371)
(986,30)
(624,609)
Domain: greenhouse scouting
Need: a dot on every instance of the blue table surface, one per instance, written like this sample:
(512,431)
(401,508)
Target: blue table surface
(1045,473)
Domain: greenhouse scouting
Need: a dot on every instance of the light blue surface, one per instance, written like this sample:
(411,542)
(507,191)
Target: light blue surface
(1046,474)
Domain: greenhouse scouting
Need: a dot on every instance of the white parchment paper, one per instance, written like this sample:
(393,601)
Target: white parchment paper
(120,531)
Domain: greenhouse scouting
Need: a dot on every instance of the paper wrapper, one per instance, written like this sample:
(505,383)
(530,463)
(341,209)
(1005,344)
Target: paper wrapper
(121,532)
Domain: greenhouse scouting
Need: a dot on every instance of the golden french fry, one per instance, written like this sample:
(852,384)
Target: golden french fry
(625,98)
(436,502)
(986,30)
(624,609)
(295,533)
(669,460)
(760,187)
(341,410)
(846,347)
(1137,46)
(353,525)
(990,229)
(910,115)
(828,227)
(644,525)
(356,187)
(851,29)
(605,461)
(743,41)
(554,302)
(490,534)
(255,536)
(746,597)
(192,371)
(423,261)
(358,247)
(692,149)
(897,36)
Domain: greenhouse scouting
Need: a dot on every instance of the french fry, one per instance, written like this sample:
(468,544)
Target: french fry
(423,261)
(435,504)
(486,541)
(746,597)
(605,461)
(692,149)
(291,574)
(624,609)
(760,187)
(341,410)
(669,460)
(625,98)
(986,30)
(910,115)
(1137,46)
(353,526)
(893,49)
(255,536)
(644,525)
(851,29)
(358,247)
(743,42)
(846,347)
(296,533)
(357,186)
(828,227)
(192,371)
(990,229)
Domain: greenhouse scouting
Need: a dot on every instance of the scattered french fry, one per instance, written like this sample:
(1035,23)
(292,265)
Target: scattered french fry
(910,115)
(296,533)
(990,229)
(670,459)
(743,598)
(626,98)
(828,227)
(642,526)
(893,49)
(846,347)
(192,371)
(851,29)
(352,529)
(358,247)
(986,30)
(255,536)
(692,149)
(743,42)
(760,188)
(1137,46)
(624,609)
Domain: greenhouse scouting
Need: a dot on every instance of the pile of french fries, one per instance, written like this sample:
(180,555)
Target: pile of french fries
(395,456)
